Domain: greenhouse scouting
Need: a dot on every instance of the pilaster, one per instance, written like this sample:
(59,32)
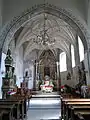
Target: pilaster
(69,60)
(34,81)
(76,51)
(87,65)
(58,70)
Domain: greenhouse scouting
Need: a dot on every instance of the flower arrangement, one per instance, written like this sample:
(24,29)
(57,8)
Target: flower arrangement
(62,88)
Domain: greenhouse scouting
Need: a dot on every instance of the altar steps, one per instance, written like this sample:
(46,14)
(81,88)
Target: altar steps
(45,103)
(40,94)
(50,119)
(46,96)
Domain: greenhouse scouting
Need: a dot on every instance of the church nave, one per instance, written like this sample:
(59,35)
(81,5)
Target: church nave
(44,59)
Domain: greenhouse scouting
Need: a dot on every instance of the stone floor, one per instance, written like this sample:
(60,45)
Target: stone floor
(44,107)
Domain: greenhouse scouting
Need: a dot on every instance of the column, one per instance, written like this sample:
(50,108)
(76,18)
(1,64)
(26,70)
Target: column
(37,64)
(76,51)
(0,74)
(36,72)
(87,53)
(77,59)
(87,65)
(58,71)
(69,60)
(34,81)
(0,30)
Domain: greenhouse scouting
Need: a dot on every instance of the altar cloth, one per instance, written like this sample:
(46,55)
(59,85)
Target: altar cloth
(46,88)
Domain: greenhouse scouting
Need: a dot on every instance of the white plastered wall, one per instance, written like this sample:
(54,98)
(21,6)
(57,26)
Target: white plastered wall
(30,68)
(19,66)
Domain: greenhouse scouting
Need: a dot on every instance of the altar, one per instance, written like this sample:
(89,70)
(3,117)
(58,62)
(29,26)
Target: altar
(47,86)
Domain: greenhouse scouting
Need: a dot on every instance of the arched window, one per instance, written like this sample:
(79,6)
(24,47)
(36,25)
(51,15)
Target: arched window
(73,56)
(63,66)
(81,49)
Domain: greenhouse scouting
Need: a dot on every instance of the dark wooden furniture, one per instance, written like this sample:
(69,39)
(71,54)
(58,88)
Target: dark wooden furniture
(16,109)
(69,108)
(15,106)
(9,112)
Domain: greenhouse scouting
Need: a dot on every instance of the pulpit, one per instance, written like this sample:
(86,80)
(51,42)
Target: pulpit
(9,81)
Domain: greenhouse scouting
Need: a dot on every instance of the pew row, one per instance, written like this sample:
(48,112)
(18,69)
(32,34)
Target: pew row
(14,108)
(70,106)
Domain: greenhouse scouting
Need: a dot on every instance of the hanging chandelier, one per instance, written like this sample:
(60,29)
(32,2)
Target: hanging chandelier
(43,38)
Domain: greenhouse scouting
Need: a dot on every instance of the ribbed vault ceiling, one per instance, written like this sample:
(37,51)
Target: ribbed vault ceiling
(56,29)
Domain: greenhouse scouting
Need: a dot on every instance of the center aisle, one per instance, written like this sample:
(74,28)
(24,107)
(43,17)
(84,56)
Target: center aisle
(44,107)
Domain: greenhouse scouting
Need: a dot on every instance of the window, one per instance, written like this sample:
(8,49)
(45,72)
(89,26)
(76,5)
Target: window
(63,66)
(3,65)
(2,74)
(73,56)
(81,49)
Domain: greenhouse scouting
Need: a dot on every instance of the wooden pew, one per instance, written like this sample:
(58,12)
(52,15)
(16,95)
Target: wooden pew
(85,115)
(21,107)
(20,102)
(77,111)
(68,108)
(16,112)
(24,103)
(79,117)
(5,115)
(9,112)
(64,101)
(1,114)
(27,96)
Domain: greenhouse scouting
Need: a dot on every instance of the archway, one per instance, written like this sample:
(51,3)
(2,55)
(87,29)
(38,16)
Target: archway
(20,21)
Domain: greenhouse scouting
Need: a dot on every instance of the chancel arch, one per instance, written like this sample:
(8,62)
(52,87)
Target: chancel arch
(60,28)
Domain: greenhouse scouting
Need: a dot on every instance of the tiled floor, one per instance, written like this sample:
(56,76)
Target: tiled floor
(44,108)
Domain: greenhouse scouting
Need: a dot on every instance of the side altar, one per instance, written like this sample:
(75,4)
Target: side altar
(47,85)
